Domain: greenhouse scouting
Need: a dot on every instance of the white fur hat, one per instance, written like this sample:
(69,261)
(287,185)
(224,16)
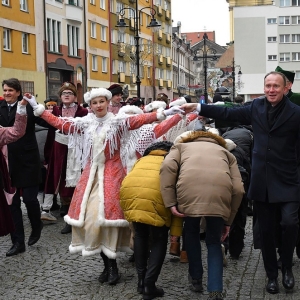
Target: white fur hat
(130,109)
(177,102)
(97,92)
(155,105)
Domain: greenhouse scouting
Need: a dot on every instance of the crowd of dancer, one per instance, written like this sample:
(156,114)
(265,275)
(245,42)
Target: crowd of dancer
(130,178)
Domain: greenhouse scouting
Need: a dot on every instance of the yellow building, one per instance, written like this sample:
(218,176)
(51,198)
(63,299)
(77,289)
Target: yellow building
(21,45)
(234,3)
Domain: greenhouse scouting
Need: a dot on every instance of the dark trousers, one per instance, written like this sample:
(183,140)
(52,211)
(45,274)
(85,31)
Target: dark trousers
(289,224)
(31,202)
(149,241)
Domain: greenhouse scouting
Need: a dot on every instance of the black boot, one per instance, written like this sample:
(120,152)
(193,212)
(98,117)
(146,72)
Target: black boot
(104,275)
(55,205)
(34,215)
(151,292)
(66,229)
(140,287)
(113,272)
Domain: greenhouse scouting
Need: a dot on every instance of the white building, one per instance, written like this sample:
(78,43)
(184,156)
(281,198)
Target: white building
(265,37)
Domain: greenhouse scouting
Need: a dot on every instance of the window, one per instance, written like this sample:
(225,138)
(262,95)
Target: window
(297,75)
(284,38)
(93,2)
(73,40)
(94,63)
(131,40)
(131,13)
(6,39)
(284,20)
(296,56)
(103,33)
(113,66)
(272,39)
(295,38)
(169,75)
(122,67)
(5,2)
(27,87)
(166,5)
(74,2)
(24,42)
(141,18)
(272,21)
(23,5)
(295,2)
(285,56)
(104,65)
(272,57)
(53,35)
(160,73)
(112,7)
(102,4)
(148,72)
(119,7)
(132,68)
(296,20)
(285,2)
(93,30)
(158,2)
(141,71)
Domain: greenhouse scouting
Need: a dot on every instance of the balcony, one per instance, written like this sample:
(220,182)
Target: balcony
(74,12)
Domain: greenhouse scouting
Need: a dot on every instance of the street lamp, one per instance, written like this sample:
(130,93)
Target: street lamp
(233,67)
(205,51)
(122,26)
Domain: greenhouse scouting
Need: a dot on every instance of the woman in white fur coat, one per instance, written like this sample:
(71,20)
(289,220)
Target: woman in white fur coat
(98,224)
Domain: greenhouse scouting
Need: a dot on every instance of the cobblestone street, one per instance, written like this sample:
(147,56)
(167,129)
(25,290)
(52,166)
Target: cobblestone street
(47,271)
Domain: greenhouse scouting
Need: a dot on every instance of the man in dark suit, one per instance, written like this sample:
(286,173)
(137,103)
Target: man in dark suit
(274,179)
(24,168)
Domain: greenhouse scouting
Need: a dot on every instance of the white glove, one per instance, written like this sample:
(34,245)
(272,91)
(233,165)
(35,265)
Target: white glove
(173,110)
(219,103)
(31,101)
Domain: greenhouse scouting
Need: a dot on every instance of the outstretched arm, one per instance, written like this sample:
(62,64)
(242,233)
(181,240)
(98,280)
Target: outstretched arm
(11,134)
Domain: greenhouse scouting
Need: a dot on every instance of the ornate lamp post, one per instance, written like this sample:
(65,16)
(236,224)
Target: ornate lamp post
(233,67)
(205,50)
(122,26)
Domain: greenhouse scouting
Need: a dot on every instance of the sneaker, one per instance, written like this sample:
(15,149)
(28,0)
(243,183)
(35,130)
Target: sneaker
(47,216)
(224,256)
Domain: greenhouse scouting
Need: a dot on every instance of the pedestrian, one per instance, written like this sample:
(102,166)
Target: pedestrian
(56,155)
(274,180)
(24,168)
(98,224)
(50,103)
(142,203)
(9,135)
(199,178)
(115,102)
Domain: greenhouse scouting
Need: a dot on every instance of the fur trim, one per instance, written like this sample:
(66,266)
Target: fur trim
(93,93)
(39,110)
(155,105)
(213,130)
(230,145)
(130,109)
(190,136)
(75,249)
(178,102)
(160,114)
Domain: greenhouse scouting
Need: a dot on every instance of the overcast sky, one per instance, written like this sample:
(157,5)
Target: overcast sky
(195,15)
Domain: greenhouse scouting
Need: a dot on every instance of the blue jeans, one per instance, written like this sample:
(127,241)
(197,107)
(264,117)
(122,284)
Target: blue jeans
(214,226)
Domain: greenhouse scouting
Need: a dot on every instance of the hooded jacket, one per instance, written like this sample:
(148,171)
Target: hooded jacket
(201,177)
(140,196)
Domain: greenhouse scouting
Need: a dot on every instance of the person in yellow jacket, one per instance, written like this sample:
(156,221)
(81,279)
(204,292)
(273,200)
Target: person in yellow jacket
(142,203)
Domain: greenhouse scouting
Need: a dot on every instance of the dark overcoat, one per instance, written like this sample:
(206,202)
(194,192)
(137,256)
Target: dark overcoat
(274,155)
(23,155)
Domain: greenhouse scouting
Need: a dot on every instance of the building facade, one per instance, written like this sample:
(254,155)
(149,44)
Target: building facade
(22,45)
(267,37)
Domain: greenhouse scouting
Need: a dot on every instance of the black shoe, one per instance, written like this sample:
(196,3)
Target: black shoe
(152,292)
(35,235)
(113,272)
(103,276)
(131,258)
(272,286)
(67,229)
(140,286)
(288,280)
(15,249)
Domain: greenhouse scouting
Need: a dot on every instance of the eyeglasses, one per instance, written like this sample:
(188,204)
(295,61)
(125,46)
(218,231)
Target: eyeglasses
(67,93)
